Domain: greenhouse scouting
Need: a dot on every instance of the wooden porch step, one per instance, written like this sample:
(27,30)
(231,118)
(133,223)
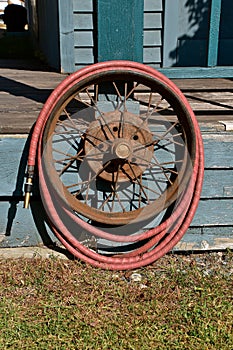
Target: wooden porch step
(24,90)
(25,86)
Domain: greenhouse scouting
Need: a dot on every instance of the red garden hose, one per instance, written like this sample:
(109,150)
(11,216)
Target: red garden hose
(156,241)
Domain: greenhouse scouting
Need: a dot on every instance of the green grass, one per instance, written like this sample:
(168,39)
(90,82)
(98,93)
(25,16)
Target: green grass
(182,302)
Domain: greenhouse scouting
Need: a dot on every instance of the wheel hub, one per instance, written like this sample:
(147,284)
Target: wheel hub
(122,149)
(121,143)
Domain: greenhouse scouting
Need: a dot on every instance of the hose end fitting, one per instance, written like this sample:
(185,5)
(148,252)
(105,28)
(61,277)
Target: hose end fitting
(28,187)
(27,190)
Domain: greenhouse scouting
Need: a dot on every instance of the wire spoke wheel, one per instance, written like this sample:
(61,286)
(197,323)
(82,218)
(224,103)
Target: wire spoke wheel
(118,147)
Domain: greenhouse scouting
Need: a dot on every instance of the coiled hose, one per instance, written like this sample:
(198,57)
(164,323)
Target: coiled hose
(148,245)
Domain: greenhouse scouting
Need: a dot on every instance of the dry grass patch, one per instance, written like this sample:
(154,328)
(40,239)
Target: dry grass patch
(181,302)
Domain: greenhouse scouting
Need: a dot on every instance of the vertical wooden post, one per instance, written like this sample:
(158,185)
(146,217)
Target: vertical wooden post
(120,30)
(214,33)
(66,36)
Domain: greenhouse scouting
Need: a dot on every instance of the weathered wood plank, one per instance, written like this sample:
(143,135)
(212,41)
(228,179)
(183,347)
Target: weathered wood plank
(22,95)
(214,213)
(13,165)
(17,123)
(152,38)
(152,20)
(153,5)
(23,227)
(205,241)
(218,180)
(24,92)
(152,54)
(215,15)
(217,184)
(198,72)
(218,150)
(83,21)
(84,55)
(204,85)
(83,6)
(84,39)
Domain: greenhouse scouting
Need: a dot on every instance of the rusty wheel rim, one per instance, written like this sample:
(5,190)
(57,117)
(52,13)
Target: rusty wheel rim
(121,156)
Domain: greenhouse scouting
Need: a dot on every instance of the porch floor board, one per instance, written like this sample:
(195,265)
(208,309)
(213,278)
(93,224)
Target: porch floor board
(25,86)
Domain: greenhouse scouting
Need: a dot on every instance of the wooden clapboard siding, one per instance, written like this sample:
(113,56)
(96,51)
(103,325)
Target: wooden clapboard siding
(183,39)
(85,32)
(218,184)
(153,24)
(213,220)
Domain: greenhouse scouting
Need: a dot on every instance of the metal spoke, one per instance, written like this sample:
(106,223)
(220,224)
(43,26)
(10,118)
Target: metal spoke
(61,172)
(164,172)
(137,180)
(132,90)
(120,202)
(140,193)
(94,137)
(161,137)
(169,139)
(75,145)
(100,113)
(88,188)
(126,86)
(106,201)
(117,91)
(93,178)
(62,153)
(70,119)
(114,185)
(148,188)
(132,193)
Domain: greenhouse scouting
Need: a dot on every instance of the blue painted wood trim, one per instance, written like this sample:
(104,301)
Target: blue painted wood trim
(120,30)
(198,72)
(214,33)
(171,14)
(66,35)
(21,227)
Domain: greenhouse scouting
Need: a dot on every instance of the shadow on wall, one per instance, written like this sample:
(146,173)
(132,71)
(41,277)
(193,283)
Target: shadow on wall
(12,237)
(192,35)
(17,197)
